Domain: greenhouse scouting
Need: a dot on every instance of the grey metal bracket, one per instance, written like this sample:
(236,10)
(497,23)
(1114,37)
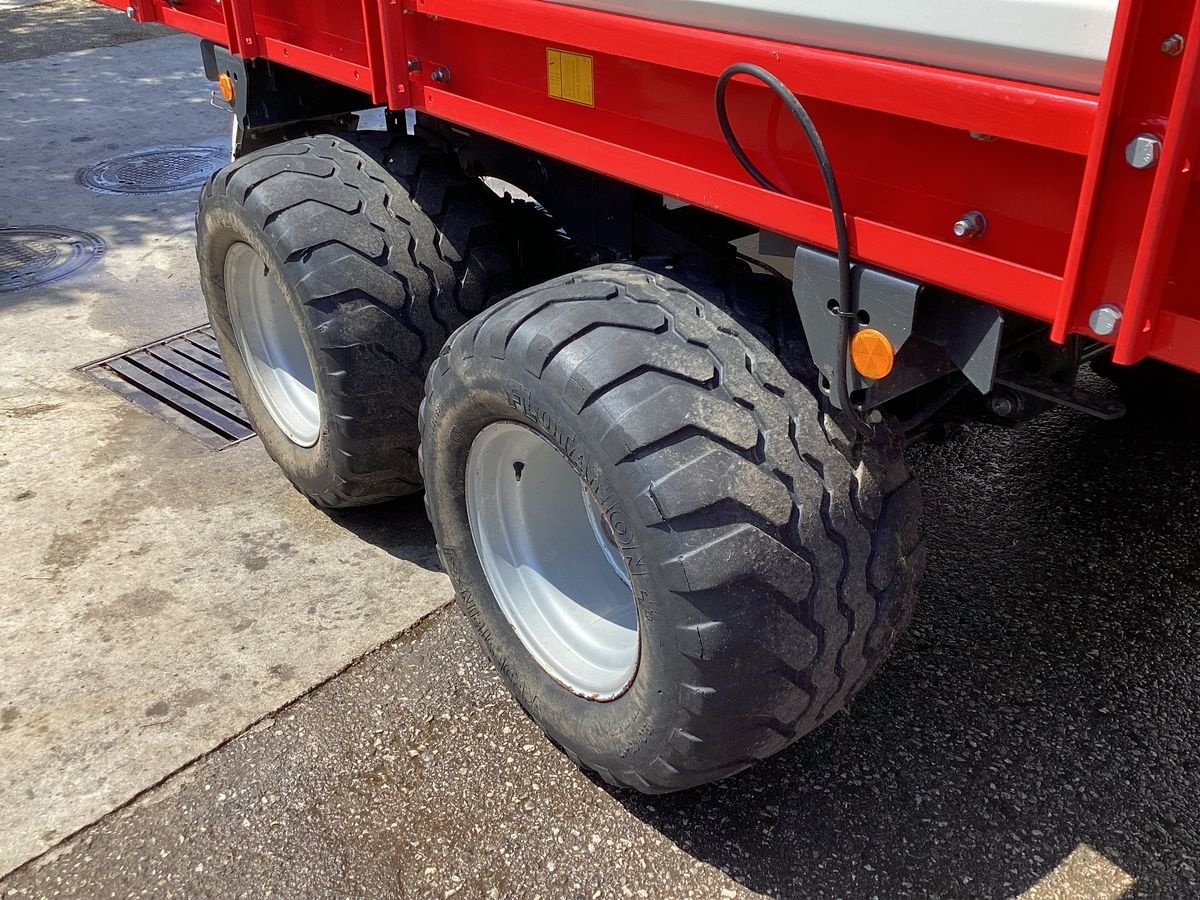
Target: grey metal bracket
(941,334)
(886,302)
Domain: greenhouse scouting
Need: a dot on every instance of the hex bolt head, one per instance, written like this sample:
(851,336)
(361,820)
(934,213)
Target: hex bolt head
(414,64)
(970,225)
(1003,405)
(441,75)
(1143,151)
(1172,44)
(1105,319)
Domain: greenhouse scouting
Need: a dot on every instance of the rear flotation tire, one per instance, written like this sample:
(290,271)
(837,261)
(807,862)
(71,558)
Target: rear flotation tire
(773,558)
(382,246)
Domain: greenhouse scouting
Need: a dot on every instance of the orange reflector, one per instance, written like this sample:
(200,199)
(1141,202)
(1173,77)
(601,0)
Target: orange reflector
(225,83)
(872,354)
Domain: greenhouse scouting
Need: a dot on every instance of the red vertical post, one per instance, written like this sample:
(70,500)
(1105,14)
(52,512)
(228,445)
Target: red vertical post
(1168,197)
(144,11)
(394,54)
(375,50)
(239,19)
(1124,215)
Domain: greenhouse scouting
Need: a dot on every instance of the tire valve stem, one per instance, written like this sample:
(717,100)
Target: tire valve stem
(518,468)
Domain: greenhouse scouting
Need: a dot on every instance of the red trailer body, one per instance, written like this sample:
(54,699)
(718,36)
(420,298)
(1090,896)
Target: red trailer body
(1071,225)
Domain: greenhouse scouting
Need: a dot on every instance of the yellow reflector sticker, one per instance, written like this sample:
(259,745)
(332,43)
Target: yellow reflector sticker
(569,77)
(872,354)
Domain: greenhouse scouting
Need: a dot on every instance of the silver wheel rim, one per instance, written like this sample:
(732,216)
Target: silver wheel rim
(551,561)
(270,343)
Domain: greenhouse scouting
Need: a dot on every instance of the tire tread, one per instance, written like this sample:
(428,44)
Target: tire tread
(359,223)
(837,590)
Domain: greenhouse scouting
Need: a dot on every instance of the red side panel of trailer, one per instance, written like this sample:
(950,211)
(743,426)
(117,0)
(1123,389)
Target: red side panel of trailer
(1071,224)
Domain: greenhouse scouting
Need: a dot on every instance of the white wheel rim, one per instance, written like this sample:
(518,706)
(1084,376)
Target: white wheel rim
(271,346)
(551,561)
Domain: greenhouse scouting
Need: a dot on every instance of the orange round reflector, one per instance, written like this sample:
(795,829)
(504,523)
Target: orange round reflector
(225,83)
(872,354)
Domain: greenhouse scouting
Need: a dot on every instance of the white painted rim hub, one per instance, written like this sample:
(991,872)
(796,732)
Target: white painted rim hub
(551,561)
(271,346)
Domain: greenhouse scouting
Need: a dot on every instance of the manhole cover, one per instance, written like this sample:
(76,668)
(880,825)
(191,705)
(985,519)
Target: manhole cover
(159,170)
(182,380)
(33,256)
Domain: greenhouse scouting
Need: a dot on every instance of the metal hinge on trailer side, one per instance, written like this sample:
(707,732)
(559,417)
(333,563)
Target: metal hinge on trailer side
(933,333)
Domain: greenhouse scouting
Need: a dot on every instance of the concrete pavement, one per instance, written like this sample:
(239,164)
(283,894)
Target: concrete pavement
(155,597)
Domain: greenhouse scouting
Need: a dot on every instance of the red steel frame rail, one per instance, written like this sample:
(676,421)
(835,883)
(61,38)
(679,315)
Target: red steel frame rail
(1071,224)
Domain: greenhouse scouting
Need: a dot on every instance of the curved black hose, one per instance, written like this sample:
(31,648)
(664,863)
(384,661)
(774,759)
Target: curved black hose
(845,300)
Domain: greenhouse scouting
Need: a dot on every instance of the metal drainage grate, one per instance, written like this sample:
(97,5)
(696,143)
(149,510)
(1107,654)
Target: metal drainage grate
(39,255)
(181,380)
(159,170)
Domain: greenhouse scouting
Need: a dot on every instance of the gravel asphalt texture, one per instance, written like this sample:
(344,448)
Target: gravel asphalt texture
(1041,707)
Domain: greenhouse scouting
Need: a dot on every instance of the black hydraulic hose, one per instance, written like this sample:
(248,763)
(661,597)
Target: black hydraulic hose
(845,300)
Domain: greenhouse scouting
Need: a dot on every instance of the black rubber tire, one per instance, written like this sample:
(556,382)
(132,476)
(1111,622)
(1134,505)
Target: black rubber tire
(773,561)
(382,247)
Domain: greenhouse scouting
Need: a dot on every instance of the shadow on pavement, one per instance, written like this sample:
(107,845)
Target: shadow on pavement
(399,528)
(1034,706)
(57,26)
(61,115)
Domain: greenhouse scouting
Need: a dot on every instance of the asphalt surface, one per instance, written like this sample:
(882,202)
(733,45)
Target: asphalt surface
(1035,731)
